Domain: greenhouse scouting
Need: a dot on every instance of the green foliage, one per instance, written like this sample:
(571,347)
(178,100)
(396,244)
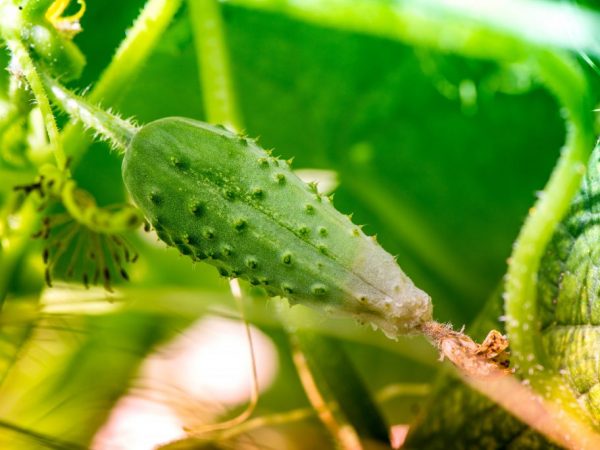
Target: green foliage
(567,294)
(440,122)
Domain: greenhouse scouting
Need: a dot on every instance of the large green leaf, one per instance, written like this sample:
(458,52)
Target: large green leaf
(568,295)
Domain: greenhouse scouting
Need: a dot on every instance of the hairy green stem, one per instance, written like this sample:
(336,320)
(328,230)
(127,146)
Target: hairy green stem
(25,64)
(567,82)
(213,61)
(22,65)
(117,131)
(125,65)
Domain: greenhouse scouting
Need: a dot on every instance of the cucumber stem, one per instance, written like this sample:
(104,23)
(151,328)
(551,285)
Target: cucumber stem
(25,64)
(213,60)
(117,131)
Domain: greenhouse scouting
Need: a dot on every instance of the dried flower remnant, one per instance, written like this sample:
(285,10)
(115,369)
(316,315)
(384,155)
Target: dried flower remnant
(86,241)
(488,359)
(73,251)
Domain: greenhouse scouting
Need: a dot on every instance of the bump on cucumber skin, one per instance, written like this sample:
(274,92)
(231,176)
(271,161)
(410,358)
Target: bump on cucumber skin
(220,198)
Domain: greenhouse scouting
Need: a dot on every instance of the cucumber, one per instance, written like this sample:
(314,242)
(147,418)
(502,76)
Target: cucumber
(220,198)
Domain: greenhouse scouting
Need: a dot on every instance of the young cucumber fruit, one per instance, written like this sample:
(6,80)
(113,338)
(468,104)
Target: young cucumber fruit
(220,198)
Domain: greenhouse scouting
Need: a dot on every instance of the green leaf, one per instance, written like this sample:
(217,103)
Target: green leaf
(568,295)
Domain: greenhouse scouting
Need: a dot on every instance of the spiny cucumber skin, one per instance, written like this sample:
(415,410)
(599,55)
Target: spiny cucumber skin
(218,197)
